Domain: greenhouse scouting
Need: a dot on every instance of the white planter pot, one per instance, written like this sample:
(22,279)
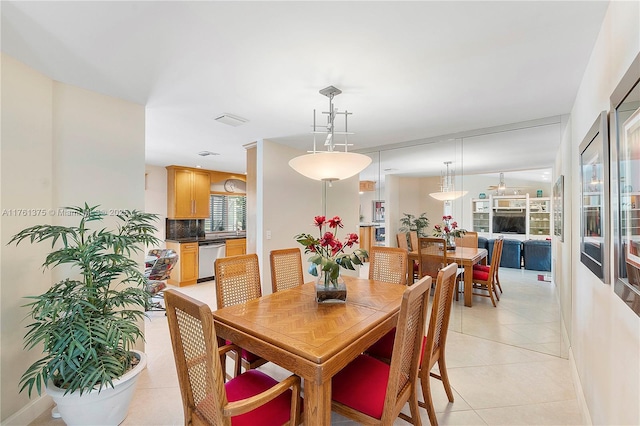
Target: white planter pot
(108,407)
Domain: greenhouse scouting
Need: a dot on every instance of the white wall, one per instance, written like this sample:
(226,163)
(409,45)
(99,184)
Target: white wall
(61,146)
(605,334)
(155,197)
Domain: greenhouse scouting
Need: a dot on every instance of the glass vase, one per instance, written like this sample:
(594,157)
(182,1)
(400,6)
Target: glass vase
(330,291)
(451,242)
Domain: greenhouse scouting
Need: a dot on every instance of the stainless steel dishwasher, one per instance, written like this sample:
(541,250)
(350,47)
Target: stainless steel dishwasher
(208,252)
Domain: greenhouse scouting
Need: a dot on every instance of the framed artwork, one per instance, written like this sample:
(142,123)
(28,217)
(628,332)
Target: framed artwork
(625,152)
(558,208)
(594,177)
(378,211)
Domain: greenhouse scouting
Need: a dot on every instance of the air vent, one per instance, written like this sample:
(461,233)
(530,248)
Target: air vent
(231,120)
(207,153)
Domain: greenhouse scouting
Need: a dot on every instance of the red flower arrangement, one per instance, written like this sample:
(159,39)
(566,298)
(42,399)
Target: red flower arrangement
(328,250)
(448,230)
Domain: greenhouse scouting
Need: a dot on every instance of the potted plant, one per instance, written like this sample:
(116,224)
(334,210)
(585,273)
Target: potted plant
(89,321)
(411,223)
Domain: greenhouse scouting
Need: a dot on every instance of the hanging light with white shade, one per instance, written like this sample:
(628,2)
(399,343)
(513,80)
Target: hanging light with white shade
(330,165)
(447,188)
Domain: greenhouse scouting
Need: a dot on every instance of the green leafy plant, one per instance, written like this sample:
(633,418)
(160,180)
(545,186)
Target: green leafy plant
(88,322)
(328,250)
(412,223)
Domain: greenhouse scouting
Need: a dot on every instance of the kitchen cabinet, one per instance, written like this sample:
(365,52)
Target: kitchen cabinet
(187,193)
(366,237)
(236,247)
(186,270)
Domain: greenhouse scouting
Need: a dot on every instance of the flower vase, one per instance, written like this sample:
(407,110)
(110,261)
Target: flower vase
(330,291)
(451,242)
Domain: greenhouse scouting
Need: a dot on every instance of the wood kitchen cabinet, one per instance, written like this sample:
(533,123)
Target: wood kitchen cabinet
(186,270)
(236,247)
(187,193)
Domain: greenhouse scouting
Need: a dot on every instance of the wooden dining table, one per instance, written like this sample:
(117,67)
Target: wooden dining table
(465,257)
(313,340)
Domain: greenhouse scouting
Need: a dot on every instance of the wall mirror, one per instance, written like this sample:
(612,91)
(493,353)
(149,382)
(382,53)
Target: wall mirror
(625,135)
(595,200)
(405,175)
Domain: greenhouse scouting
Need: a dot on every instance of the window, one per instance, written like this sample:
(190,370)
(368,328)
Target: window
(226,213)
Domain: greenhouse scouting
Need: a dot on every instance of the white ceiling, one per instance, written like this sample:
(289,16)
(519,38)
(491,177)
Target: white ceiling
(408,70)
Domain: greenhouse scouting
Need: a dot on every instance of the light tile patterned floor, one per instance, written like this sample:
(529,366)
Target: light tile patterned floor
(499,361)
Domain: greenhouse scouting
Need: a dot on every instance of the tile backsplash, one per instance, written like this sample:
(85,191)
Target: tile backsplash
(177,228)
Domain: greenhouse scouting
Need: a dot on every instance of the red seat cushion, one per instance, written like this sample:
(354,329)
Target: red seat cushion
(251,383)
(245,354)
(484,268)
(383,348)
(480,275)
(362,385)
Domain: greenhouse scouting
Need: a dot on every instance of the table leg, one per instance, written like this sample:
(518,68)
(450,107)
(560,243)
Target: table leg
(468,284)
(317,403)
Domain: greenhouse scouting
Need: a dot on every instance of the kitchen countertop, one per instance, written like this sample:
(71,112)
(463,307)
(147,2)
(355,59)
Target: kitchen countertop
(206,239)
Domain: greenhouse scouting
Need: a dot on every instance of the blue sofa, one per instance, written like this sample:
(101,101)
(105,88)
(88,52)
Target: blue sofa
(511,253)
(537,255)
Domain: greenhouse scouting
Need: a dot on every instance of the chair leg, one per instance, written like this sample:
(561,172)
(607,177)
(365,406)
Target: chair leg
(414,407)
(444,376)
(428,401)
(497,282)
(491,290)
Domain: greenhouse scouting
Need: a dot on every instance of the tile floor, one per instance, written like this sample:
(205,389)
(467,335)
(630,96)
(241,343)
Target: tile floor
(495,381)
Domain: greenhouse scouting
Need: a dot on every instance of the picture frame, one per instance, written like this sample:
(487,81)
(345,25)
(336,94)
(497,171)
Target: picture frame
(558,208)
(625,160)
(378,211)
(594,185)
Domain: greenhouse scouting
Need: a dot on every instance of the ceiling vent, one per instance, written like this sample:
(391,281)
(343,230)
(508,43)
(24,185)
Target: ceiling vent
(231,120)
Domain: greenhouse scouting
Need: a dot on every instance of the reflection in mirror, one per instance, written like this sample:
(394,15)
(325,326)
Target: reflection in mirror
(626,149)
(593,173)
(528,314)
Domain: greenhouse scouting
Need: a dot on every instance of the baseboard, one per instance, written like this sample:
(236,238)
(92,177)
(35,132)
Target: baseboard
(577,384)
(27,414)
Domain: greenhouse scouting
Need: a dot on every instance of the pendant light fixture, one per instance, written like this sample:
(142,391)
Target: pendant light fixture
(447,189)
(330,165)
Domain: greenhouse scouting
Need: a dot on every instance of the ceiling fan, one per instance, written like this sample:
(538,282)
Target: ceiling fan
(501,187)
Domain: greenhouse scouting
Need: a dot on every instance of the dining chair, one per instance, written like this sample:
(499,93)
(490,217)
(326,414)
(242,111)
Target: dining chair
(433,351)
(388,264)
(401,238)
(248,399)
(496,280)
(413,238)
(484,280)
(372,392)
(469,239)
(286,269)
(238,281)
(434,343)
(432,255)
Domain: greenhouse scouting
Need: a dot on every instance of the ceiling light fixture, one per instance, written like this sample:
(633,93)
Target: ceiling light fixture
(231,120)
(447,189)
(330,165)
(207,153)
(501,185)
